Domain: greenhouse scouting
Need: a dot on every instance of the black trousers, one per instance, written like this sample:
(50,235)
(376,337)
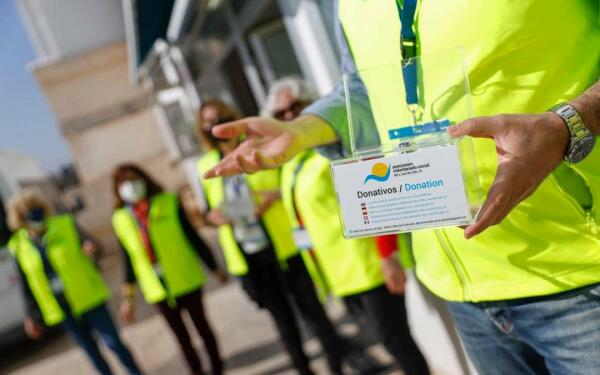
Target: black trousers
(192,302)
(275,290)
(387,314)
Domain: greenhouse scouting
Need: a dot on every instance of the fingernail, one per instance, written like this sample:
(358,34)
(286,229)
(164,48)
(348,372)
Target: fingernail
(452,129)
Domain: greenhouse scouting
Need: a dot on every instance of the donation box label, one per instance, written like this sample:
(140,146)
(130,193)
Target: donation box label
(401,192)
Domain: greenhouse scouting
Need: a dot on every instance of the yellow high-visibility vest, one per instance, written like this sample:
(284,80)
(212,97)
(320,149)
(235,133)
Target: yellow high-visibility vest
(84,288)
(178,260)
(521,57)
(274,219)
(349,266)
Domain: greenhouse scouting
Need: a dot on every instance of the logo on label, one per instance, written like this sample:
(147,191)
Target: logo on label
(380,172)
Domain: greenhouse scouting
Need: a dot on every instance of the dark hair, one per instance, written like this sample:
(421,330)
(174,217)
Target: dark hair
(119,174)
(226,113)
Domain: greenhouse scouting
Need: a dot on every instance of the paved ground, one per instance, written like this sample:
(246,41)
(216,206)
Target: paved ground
(247,339)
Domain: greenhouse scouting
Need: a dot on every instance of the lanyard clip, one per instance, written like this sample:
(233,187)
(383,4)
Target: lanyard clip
(409,47)
(435,126)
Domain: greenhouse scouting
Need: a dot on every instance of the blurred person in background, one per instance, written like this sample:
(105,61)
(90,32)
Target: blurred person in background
(60,282)
(365,273)
(256,238)
(163,252)
(189,202)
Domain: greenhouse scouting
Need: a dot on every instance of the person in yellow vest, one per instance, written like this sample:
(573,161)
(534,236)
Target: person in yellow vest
(162,254)
(256,239)
(353,269)
(60,282)
(522,279)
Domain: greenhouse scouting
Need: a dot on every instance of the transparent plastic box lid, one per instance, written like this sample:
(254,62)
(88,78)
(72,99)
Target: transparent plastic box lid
(398,116)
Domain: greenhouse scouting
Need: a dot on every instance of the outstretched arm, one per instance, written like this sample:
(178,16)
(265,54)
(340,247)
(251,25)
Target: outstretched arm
(269,143)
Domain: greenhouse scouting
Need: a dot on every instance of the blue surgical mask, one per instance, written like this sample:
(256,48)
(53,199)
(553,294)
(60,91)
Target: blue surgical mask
(35,215)
(35,218)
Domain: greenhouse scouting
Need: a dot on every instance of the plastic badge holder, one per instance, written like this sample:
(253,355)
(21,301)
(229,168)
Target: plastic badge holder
(406,173)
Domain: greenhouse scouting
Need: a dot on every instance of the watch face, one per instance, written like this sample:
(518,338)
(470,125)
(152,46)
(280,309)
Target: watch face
(582,149)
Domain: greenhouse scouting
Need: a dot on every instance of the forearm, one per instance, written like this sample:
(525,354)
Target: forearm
(331,109)
(588,107)
(313,131)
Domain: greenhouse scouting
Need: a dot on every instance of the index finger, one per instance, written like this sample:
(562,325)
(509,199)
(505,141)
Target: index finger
(231,129)
(480,127)
(228,166)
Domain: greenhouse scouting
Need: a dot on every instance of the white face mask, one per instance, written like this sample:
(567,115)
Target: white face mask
(132,191)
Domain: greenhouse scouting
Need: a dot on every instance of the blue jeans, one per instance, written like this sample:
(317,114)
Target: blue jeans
(557,334)
(98,320)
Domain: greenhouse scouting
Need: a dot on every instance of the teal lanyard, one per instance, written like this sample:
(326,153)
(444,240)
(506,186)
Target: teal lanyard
(408,43)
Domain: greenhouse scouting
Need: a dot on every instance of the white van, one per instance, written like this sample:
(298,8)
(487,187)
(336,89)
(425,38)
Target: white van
(12,309)
(15,169)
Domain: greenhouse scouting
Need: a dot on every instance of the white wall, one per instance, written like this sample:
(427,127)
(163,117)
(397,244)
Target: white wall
(61,28)
(313,47)
(15,167)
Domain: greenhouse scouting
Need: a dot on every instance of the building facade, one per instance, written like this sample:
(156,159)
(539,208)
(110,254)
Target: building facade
(82,68)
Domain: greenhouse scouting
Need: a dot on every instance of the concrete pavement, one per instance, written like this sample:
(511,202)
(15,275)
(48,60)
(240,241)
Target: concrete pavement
(247,338)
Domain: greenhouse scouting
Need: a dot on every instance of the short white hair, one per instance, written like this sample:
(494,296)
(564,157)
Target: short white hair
(299,88)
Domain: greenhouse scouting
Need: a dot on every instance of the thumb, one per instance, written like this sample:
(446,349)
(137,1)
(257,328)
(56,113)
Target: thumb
(231,129)
(479,127)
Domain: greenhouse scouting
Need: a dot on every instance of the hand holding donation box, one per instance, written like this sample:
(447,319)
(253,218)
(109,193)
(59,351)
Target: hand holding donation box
(406,172)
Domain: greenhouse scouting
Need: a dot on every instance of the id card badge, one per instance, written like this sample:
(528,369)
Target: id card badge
(406,173)
(302,239)
(402,192)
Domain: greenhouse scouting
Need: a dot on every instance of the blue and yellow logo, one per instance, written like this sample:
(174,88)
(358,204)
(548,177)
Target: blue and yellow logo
(380,172)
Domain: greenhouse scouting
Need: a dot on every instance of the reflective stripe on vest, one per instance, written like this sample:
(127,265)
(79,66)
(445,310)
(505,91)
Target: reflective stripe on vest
(83,286)
(549,243)
(275,219)
(178,260)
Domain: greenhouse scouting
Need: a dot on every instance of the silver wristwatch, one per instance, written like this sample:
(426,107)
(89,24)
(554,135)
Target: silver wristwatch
(582,141)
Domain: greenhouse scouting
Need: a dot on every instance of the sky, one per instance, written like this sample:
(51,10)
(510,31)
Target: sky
(27,124)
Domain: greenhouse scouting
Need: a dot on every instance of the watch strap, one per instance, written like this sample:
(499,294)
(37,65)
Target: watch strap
(577,129)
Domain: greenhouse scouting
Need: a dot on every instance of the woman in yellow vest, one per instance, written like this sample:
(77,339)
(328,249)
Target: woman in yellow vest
(256,239)
(60,282)
(162,253)
(353,269)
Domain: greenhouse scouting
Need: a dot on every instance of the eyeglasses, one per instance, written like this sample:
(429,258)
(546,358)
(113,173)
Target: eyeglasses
(294,108)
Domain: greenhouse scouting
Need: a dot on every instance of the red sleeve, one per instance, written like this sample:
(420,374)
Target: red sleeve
(387,245)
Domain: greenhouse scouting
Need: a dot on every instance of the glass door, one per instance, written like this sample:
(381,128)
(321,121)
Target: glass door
(274,52)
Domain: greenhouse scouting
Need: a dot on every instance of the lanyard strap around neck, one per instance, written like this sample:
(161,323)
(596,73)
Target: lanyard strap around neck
(408,42)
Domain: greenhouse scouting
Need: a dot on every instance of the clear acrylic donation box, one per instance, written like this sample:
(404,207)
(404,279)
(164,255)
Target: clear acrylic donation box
(406,173)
